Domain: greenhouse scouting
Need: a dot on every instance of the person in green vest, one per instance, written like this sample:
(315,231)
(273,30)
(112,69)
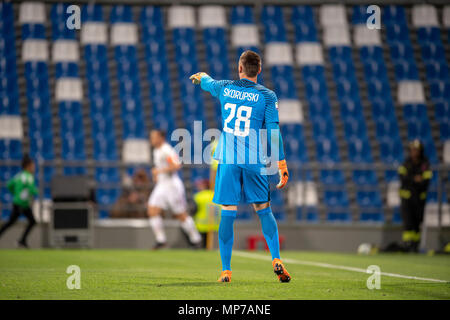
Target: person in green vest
(206,216)
(23,189)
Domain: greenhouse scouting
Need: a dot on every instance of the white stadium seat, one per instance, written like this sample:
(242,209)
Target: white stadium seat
(11,127)
(446,152)
(65,51)
(300,194)
(336,36)
(94,33)
(410,91)
(364,36)
(424,15)
(181,17)
(309,53)
(136,151)
(32,12)
(34,50)
(68,89)
(432,215)
(124,34)
(212,17)
(278,53)
(446,16)
(332,15)
(392,194)
(244,35)
(290,111)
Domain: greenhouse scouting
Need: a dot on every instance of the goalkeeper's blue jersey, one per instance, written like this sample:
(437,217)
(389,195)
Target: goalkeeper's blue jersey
(247,107)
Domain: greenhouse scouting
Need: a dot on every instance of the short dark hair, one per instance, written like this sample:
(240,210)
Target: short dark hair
(26,161)
(251,62)
(161,132)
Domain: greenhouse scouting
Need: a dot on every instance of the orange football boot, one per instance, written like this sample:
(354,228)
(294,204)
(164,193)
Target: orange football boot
(225,276)
(280,271)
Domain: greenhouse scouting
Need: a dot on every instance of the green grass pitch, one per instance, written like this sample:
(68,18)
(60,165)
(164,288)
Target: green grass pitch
(184,274)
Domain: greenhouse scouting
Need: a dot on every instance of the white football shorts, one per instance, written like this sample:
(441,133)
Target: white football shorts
(169,195)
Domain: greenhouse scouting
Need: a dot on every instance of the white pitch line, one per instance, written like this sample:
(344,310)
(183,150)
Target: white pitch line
(334,266)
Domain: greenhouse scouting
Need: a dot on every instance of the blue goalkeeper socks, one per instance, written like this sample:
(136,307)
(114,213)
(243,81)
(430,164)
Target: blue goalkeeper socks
(270,231)
(226,237)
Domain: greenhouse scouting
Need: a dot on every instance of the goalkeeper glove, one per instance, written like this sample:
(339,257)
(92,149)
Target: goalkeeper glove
(284,174)
(197,77)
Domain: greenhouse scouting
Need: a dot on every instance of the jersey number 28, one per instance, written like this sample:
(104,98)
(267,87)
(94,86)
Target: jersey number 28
(239,118)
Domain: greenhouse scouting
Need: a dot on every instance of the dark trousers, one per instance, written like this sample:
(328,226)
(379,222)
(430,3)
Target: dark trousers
(412,213)
(15,214)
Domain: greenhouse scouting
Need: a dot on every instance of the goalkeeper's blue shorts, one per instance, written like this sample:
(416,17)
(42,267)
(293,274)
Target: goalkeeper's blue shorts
(235,185)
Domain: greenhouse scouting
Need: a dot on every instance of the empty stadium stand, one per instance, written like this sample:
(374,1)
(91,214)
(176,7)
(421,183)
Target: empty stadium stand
(350,97)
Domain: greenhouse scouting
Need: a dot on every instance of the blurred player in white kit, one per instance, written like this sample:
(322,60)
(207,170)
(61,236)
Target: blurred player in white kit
(168,193)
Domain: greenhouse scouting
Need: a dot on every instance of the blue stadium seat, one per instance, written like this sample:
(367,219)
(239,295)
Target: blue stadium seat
(340,53)
(331,177)
(7,172)
(433,52)
(152,15)
(351,108)
(107,175)
(436,71)
(318,108)
(305,32)
(397,33)
(440,91)
(382,109)
(372,54)
(274,32)
(92,12)
(107,196)
(66,69)
(10,149)
(121,13)
(307,214)
(386,127)
(323,128)
(241,15)
(429,35)
(359,150)
(444,130)
(391,150)
(369,199)
(364,177)
(33,31)
(394,15)
(339,216)
(401,52)
(354,127)
(372,217)
(105,149)
(406,70)
(327,151)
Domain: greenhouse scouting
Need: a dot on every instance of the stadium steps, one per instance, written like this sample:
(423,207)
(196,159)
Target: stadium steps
(368,118)
(115,101)
(85,109)
(434,124)
(338,123)
(56,127)
(176,99)
(300,85)
(21,84)
(203,65)
(393,84)
(173,70)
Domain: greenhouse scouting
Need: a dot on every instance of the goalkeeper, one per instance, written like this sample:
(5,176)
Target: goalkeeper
(242,173)
(23,188)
